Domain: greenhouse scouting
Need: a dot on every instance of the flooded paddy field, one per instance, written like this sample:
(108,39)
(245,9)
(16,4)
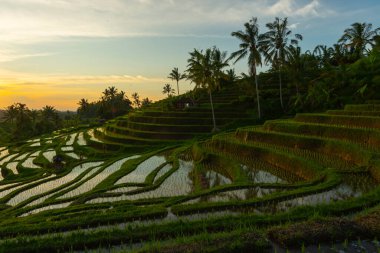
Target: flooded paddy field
(219,183)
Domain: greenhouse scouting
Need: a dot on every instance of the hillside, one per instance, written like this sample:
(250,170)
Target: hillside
(182,118)
(320,171)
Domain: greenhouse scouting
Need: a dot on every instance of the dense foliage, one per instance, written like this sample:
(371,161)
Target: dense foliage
(20,122)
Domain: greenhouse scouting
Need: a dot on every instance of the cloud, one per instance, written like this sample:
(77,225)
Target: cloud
(290,8)
(28,21)
(294,26)
(13,55)
(12,77)
(309,9)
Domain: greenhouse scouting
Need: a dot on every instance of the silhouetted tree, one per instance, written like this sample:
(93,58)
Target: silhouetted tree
(276,45)
(249,46)
(358,37)
(167,89)
(175,75)
(206,70)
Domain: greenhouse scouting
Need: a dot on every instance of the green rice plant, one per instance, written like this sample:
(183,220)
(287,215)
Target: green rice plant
(362,107)
(350,121)
(291,163)
(368,138)
(343,150)
(354,113)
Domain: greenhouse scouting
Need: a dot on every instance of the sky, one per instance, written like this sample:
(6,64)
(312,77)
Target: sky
(55,52)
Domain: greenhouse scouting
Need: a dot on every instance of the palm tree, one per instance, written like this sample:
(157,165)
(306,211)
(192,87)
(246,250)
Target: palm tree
(250,46)
(358,36)
(136,100)
(34,115)
(49,112)
(110,93)
(205,70)
(231,76)
(83,106)
(276,44)
(146,102)
(110,98)
(83,103)
(297,66)
(168,90)
(177,76)
(340,55)
(22,113)
(10,113)
(323,54)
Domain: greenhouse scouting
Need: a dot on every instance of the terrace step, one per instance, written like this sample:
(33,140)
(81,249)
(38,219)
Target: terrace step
(362,107)
(125,139)
(354,113)
(373,102)
(349,121)
(217,100)
(151,134)
(115,146)
(133,126)
(191,114)
(341,149)
(368,138)
(157,123)
(276,157)
(135,122)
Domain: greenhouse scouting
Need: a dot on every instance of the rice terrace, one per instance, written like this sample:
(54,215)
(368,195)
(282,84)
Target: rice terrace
(284,157)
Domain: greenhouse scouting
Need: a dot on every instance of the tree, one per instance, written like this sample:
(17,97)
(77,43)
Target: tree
(23,124)
(50,118)
(136,100)
(10,113)
(49,112)
(22,113)
(205,70)
(83,108)
(167,89)
(33,116)
(376,47)
(250,46)
(358,37)
(109,93)
(296,66)
(146,102)
(275,43)
(340,55)
(175,75)
(231,76)
(323,54)
(109,100)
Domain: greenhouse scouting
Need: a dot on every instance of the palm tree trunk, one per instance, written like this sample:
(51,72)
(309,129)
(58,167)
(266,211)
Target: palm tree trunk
(177,88)
(279,73)
(213,113)
(257,94)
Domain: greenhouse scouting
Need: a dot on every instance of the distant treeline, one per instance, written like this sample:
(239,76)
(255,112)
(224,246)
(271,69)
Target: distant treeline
(19,122)
(113,103)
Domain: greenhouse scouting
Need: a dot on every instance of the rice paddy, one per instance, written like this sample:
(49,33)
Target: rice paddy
(234,174)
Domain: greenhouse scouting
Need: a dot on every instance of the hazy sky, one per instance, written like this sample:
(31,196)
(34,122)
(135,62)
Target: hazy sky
(54,52)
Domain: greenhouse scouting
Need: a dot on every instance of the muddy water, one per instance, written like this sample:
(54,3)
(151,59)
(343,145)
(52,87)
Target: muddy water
(143,170)
(352,186)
